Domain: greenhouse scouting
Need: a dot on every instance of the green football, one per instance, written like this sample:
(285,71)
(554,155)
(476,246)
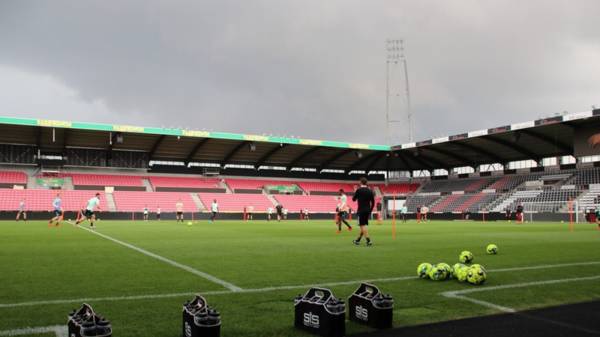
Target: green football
(438,273)
(465,257)
(446,267)
(423,270)
(492,249)
(456,269)
(476,275)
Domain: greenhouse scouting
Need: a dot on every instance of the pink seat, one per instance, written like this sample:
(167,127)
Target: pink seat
(236,202)
(41,200)
(80,179)
(135,201)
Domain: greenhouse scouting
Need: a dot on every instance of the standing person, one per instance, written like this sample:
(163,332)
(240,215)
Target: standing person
(179,210)
(279,209)
(158,212)
(146,212)
(21,211)
(342,214)
(519,217)
(58,212)
(418,214)
(366,202)
(508,213)
(269,213)
(306,215)
(598,216)
(285,213)
(403,212)
(90,208)
(214,208)
(424,213)
(250,210)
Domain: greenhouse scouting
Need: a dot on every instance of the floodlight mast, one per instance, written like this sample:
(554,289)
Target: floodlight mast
(395,56)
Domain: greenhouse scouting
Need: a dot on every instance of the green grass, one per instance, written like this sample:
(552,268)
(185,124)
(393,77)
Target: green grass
(39,263)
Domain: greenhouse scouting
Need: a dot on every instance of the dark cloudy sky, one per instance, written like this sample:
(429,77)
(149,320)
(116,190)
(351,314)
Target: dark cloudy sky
(308,68)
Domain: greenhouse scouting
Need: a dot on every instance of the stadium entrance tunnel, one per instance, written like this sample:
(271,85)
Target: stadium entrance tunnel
(572,320)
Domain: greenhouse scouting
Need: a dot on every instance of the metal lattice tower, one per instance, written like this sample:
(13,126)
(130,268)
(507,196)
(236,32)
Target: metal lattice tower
(396,63)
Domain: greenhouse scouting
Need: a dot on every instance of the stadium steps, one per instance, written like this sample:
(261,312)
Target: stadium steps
(32,183)
(271,199)
(223,184)
(68,183)
(587,199)
(110,202)
(469,202)
(442,203)
(199,205)
(378,193)
(146,182)
(514,197)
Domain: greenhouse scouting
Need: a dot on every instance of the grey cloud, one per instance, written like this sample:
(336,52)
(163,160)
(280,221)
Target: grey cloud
(310,68)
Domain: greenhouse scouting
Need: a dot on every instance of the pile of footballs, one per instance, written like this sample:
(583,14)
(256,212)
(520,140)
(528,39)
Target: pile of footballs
(463,271)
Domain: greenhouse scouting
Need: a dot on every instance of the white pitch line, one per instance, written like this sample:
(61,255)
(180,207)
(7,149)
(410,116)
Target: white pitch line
(59,331)
(548,266)
(189,269)
(460,294)
(260,290)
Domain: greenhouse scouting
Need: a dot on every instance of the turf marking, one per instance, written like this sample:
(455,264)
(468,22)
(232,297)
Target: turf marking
(285,287)
(189,269)
(460,294)
(59,331)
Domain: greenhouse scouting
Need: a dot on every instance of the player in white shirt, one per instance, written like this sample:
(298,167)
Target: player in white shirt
(92,205)
(21,211)
(158,213)
(179,210)
(342,212)
(269,213)
(146,212)
(214,208)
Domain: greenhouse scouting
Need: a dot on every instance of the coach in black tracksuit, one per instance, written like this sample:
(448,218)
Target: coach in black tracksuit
(366,202)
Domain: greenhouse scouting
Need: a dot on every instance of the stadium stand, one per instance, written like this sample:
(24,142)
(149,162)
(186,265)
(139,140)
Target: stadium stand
(395,189)
(10,178)
(314,203)
(41,200)
(452,185)
(416,200)
(448,203)
(236,202)
(134,201)
(185,184)
(327,188)
(104,180)
(242,185)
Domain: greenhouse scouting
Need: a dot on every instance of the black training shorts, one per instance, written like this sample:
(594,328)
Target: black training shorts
(363,218)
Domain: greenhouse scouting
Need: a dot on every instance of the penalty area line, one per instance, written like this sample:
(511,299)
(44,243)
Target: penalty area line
(189,269)
(460,294)
(58,330)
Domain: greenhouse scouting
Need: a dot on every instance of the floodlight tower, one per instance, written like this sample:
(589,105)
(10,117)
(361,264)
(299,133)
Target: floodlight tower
(395,59)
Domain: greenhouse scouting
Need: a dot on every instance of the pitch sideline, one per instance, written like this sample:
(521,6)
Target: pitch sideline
(460,294)
(290,287)
(189,269)
(58,330)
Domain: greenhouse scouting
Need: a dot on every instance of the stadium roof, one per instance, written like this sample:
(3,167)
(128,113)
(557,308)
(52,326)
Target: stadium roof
(553,136)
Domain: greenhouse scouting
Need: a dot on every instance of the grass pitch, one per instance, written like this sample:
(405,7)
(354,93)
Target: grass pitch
(46,272)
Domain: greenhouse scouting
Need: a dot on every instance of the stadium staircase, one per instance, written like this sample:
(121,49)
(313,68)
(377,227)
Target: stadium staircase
(469,202)
(223,184)
(271,199)
(588,200)
(146,182)
(511,199)
(32,183)
(201,207)
(441,204)
(110,202)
